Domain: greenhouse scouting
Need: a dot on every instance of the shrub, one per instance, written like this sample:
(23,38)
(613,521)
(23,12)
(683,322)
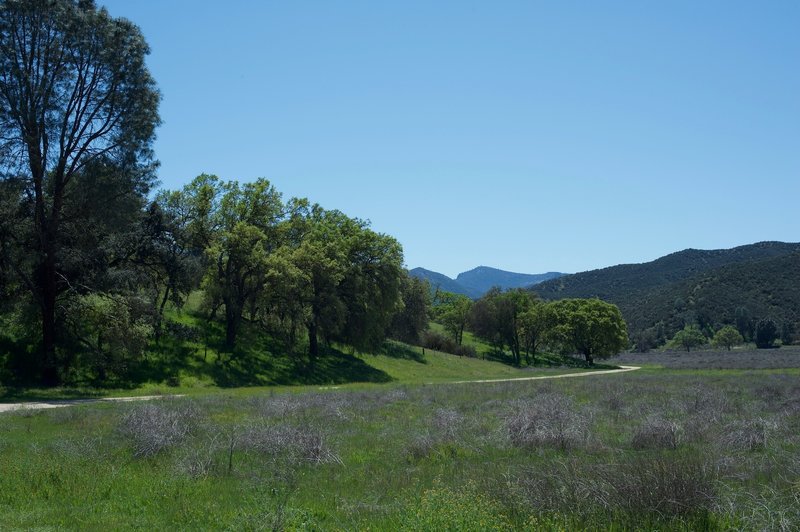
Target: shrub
(657,433)
(549,420)
(749,435)
(154,427)
(766,333)
(667,487)
(439,342)
(294,443)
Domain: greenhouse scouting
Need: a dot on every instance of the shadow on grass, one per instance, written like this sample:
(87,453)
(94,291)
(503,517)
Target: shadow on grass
(402,351)
(259,360)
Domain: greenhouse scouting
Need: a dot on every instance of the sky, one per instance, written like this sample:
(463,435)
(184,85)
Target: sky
(529,136)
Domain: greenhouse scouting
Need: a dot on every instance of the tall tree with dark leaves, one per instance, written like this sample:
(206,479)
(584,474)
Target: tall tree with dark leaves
(74,90)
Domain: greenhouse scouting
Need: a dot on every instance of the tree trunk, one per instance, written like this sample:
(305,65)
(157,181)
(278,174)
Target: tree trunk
(232,317)
(49,291)
(313,343)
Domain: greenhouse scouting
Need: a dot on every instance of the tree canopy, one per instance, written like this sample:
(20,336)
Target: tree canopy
(76,102)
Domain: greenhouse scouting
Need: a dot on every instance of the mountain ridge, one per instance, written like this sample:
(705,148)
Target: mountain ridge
(477,281)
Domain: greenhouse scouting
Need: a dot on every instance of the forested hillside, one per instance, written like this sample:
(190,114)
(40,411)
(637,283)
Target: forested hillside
(707,288)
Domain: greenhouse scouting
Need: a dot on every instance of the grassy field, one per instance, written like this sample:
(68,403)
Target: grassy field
(653,449)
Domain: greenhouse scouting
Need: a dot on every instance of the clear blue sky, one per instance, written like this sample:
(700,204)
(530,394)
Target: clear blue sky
(529,136)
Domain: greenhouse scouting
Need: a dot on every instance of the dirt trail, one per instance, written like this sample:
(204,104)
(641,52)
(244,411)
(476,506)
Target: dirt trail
(622,369)
(38,405)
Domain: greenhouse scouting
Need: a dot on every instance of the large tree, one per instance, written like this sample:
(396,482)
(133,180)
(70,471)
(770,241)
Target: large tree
(74,91)
(591,327)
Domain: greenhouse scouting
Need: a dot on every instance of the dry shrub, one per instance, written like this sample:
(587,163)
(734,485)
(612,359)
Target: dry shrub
(707,403)
(657,433)
(750,435)
(550,420)
(664,488)
(447,423)
(294,443)
(153,427)
(421,446)
(662,485)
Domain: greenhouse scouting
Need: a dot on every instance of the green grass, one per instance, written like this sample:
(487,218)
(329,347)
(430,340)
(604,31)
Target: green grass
(414,457)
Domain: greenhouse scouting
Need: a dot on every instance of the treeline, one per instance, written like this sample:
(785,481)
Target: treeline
(525,325)
(766,334)
(298,272)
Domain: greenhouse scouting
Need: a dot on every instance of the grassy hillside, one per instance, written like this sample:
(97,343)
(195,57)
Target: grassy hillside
(694,286)
(198,363)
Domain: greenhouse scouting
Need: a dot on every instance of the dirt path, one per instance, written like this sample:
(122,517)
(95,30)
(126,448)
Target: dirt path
(39,405)
(622,369)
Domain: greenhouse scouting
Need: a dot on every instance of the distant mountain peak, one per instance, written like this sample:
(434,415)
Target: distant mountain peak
(477,281)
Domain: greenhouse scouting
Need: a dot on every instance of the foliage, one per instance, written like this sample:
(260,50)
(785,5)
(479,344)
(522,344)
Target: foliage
(453,312)
(535,324)
(409,323)
(439,342)
(727,337)
(766,333)
(76,99)
(590,327)
(113,332)
(496,318)
(687,338)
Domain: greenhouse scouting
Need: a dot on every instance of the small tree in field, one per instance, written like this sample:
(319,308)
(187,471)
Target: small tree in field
(689,337)
(727,337)
(766,333)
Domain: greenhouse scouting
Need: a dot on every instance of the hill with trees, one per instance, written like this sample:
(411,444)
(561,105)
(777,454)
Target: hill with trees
(709,289)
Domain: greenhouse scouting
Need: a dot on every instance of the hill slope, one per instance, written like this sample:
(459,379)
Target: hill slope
(694,286)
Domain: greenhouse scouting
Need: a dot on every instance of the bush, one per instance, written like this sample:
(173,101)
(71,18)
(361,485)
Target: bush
(550,420)
(766,333)
(440,342)
(657,433)
(154,427)
(664,486)
(298,444)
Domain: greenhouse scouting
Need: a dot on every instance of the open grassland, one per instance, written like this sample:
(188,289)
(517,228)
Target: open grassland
(739,358)
(653,449)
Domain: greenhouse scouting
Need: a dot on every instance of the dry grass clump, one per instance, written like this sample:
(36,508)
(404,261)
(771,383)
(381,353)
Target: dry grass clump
(664,487)
(657,433)
(550,420)
(153,427)
(749,435)
(298,444)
